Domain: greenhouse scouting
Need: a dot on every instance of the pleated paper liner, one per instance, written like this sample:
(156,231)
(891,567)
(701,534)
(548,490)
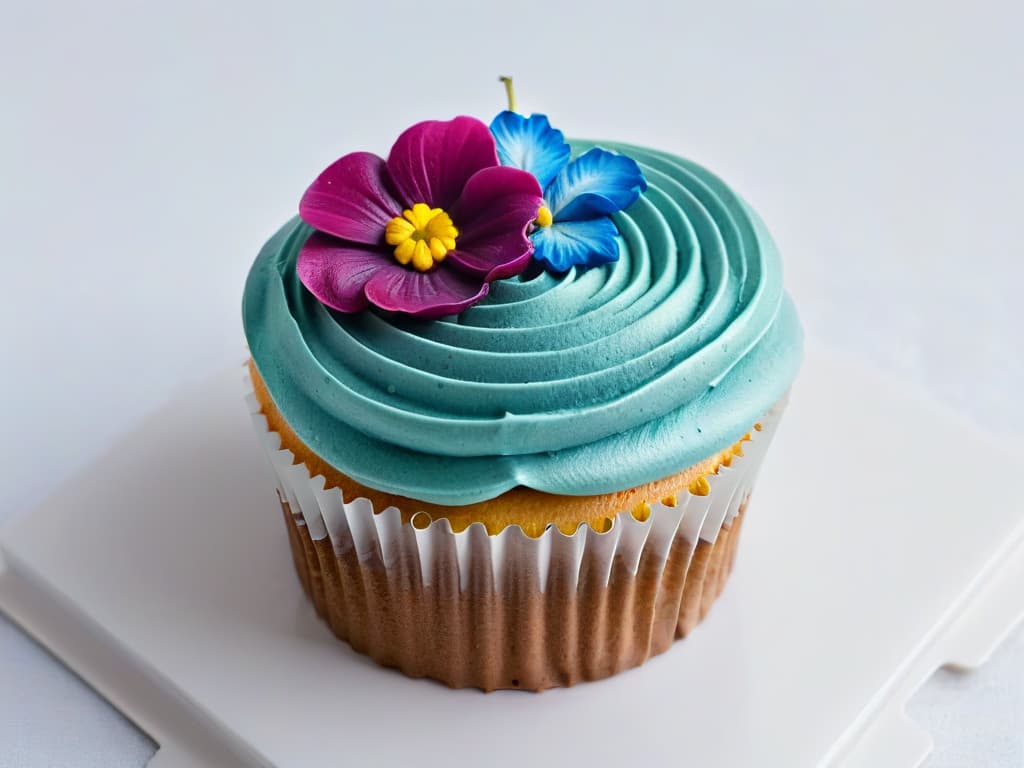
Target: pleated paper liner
(509,611)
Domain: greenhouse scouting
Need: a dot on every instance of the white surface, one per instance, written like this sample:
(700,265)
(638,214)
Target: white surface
(161,144)
(796,663)
(963,730)
(42,699)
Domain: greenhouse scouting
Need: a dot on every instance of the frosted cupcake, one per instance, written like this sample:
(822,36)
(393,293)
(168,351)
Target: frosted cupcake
(515,391)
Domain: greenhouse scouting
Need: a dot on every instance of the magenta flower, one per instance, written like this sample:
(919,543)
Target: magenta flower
(425,231)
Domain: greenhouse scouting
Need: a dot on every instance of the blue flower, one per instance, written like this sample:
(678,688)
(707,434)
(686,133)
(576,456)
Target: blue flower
(573,226)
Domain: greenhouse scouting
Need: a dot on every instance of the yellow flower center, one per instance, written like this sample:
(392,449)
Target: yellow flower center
(544,217)
(422,236)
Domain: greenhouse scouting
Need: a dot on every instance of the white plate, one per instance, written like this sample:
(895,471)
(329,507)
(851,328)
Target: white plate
(884,539)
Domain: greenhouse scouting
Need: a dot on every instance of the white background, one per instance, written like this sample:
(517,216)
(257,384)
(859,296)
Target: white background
(147,152)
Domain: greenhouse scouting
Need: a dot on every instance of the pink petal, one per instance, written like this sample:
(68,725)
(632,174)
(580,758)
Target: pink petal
(337,272)
(351,199)
(432,161)
(493,214)
(439,292)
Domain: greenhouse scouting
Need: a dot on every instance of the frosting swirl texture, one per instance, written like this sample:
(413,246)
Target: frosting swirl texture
(589,382)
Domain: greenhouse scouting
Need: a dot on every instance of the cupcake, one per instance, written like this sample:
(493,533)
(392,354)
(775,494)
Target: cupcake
(515,391)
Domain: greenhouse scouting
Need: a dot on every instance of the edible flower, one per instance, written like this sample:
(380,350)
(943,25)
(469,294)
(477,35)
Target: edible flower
(423,232)
(572,225)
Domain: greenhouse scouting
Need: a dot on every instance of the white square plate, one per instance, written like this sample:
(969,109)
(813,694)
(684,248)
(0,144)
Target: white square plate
(885,538)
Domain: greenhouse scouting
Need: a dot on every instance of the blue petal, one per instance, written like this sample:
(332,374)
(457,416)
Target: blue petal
(596,183)
(530,143)
(576,243)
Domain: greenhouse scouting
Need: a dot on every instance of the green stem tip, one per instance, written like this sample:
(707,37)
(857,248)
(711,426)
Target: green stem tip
(509,91)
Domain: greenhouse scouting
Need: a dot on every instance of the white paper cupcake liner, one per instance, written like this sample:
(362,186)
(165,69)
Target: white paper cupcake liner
(413,576)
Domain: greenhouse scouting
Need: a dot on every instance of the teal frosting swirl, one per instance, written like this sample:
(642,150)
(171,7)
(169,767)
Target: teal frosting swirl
(590,382)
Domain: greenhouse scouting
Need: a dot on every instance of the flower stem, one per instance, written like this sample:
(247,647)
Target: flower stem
(509,91)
